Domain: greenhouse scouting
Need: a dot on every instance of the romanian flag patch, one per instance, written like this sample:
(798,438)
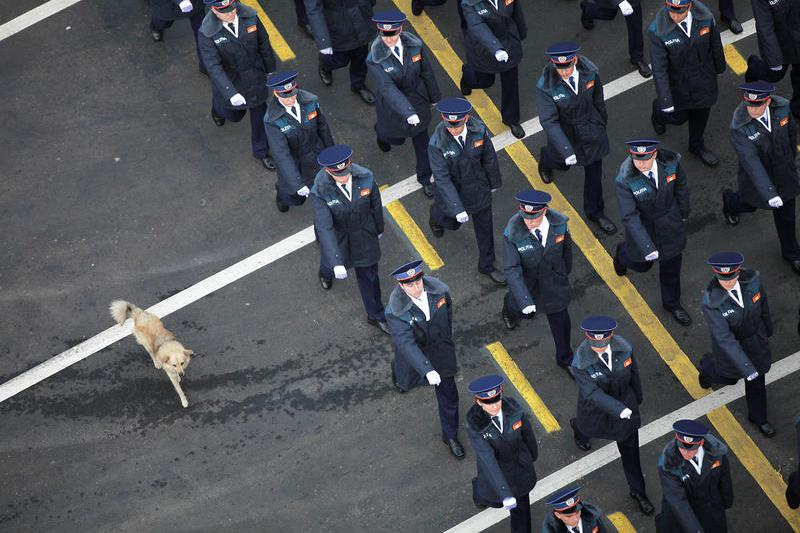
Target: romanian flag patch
(589,84)
(312,115)
(416,58)
(756,296)
(440,303)
(365,192)
(715,464)
(628,362)
(478,143)
(517,425)
(705,30)
(251,29)
(509,2)
(672,177)
(784,121)
(559,238)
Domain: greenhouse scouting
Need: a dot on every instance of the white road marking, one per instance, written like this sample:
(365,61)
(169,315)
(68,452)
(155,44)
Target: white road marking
(608,453)
(33,16)
(264,257)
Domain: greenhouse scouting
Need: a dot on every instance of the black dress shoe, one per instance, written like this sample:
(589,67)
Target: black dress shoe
(730,217)
(586,21)
(658,127)
(268,163)
(708,157)
(466,91)
(766,428)
(380,325)
(644,504)
(158,35)
(428,190)
(703,380)
(218,120)
(455,447)
(792,498)
(384,146)
(608,227)
(795,266)
(516,130)
(545,173)
(734,25)
(619,268)
(282,207)
(509,321)
(681,316)
(436,229)
(416,10)
(582,444)
(496,276)
(366,95)
(325,75)
(644,69)
(326,283)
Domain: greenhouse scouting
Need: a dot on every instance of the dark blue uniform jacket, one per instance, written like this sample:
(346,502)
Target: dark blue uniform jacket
(169,10)
(489,30)
(341,24)
(778,30)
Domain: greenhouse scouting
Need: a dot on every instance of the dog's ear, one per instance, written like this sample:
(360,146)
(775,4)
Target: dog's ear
(188,352)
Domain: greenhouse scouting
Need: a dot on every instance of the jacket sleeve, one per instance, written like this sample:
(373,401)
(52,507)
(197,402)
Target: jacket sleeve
(323,224)
(265,50)
(766,316)
(446,191)
(487,463)
(636,381)
(319,26)
(752,165)
(480,30)
(716,50)
(213,63)
(599,100)
(725,483)
(723,337)
(592,393)
(282,154)
(512,267)
(767,38)
(392,96)
(323,130)
(633,222)
(660,63)
(490,163)
(406,346)
(567,254)
(529,437)
(675,496)
(682,193)
(548,117)
(429,79)
(376,207)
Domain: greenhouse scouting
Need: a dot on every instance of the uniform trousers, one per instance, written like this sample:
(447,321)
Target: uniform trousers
(698,118)
(632,21)
(356,58)
(289,199)
(509,84)
(258,135)
(300,12)
(632,466)
(520,520)
(420,143)
(757,69)
(755,391)
(195,19)
(593,205)
(726,9)
(669,276)
(447,401)
(784,218)
(369,285)
(560,327)
(484,233)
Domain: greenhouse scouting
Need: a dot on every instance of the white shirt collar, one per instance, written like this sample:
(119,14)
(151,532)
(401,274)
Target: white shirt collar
(654,170)
(574,76)
(698,465)
(688,21)
(422,303)
(578,528)
(235,23)
(461,136)
(738,290)
(544,229)
(769,120)
(606,355)
(288,109)
(500,419)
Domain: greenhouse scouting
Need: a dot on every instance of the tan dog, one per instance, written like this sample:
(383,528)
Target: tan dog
(160,343)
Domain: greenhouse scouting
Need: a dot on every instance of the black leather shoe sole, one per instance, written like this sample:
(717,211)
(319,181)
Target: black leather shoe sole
(583,445)
(608,227)
(466,91)
(701,379)
(380,325)
(796,267)
(268,163)
(455,447)
(658,127)
(325,76)
(644,69)
(282,207)
(416,11)
(218,120)
(496,276)
(326,283)
(384,147)
(516,130)
(766,429)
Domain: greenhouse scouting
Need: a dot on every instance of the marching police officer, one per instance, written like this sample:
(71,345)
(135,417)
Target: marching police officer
(163,13)
(406,88)
(420,316)
(777,23)
(297,132)
(348,223)
(466,174)
(505,449)
(653,199)
(695,481)
(764,137)
(736,309)
(493,37)
(632,11)
(686,53)
(572,515)
(793,483)
(609,395)
(235,49)
(537,254)
(343,30)
(572,111)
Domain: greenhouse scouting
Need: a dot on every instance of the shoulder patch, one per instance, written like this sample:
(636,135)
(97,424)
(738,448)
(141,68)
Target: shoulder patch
(716,464)
(251,29)
(672,177)
(440,303)
(705,30)
(784,121)
(589,84)
(416,58)
(312,115)
(628,362)
(756,296)
(478,143)
(517,425)
(365,192)
(559,238)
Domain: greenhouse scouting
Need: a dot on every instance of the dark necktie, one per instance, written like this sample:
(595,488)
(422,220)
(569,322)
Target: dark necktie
(397,53)
(344,190)
(765,121)
(230,27)
(685,27)
(735,294)
(572,82)
(696,461)
(294,112)
(607,359)
(538,234)
(652,178)
(496,420)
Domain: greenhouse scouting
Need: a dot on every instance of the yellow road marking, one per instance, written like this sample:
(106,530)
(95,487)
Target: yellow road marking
(735,60)
(663,343)
(414,234)
(622,523)
(279,44)
(521,383)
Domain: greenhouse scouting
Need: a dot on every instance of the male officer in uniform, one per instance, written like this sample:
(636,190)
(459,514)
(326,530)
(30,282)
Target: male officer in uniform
(686,53)
(163,13)
(235,49)
(764,137)
(505,449)
(737,312)
(793,483)
(695,481)
(653,199)
(466,173)
(609,395)
(343,30)
(572,111)
(348,223)
(297,132)
(632,11)
(406,88)
(537,254)
(572,515)
(493,37)
(778,32)
(420,317)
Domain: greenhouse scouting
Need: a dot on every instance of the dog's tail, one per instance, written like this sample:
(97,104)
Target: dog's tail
(121,310)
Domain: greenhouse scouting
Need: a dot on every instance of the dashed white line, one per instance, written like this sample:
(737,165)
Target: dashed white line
(33,16)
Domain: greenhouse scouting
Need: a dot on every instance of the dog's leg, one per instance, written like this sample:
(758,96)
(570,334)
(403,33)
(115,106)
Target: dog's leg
(176,383)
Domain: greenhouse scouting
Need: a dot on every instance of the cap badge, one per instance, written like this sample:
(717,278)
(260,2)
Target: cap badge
(341,166)
(688,438)
(570,502)
(529,209)
(676,2)
(387,26)
(599,336)
(225,3)
(725,270)
(452,117)
(752,96)
(491,393)
(411,271)
(640,149)
(562,59)
(288,86)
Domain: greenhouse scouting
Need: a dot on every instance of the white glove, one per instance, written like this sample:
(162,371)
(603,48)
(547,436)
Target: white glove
(509,503)
(380,235)
(529,309)
(340,272)
(462,217)
(752,376)
(626,8)
(413,119)
(571,160)
(652,256)
(238,99)
(186,6)
(626,413)
(326,51)
(670,109)
(433,377)
(303,191)
(775,201)
(493,190)
(776,69)
(501,56)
